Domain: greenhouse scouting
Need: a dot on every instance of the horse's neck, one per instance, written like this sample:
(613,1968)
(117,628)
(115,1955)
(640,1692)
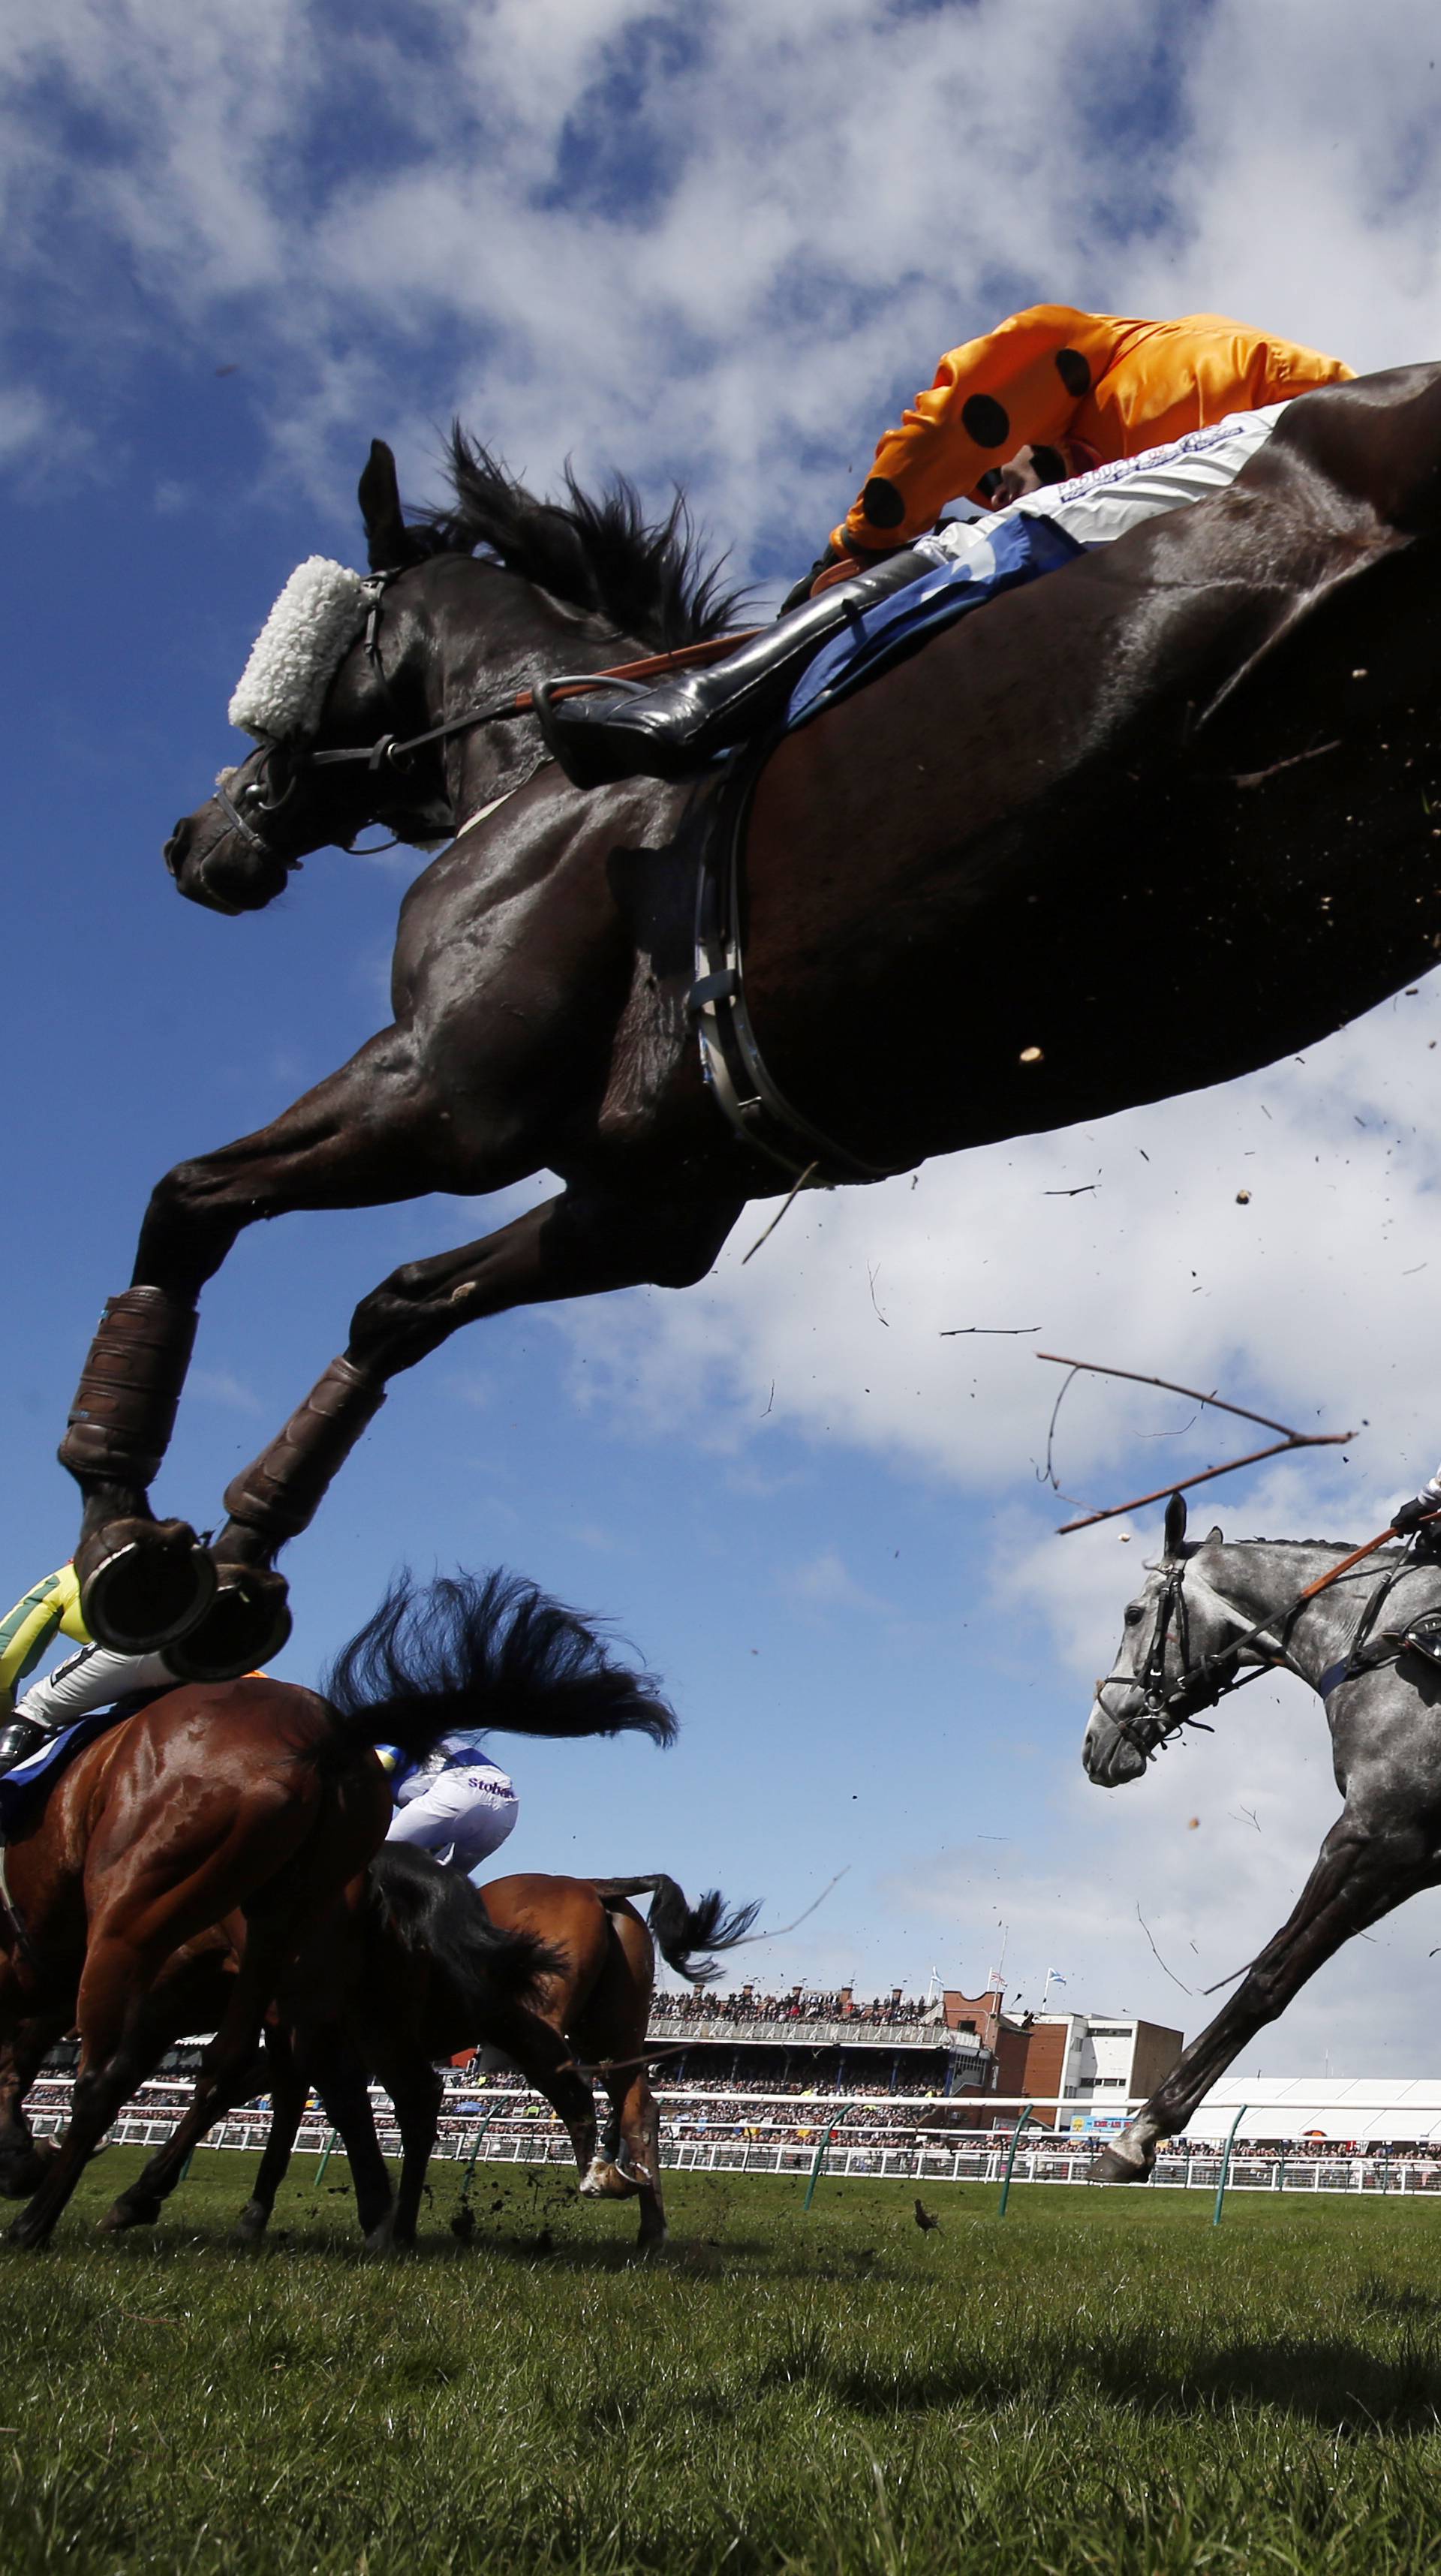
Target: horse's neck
(531,638)
(1262,1580)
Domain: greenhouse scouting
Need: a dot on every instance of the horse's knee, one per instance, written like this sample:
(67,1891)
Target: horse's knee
(184,1195)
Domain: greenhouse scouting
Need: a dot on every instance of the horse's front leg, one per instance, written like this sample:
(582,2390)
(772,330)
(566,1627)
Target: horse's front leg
(359,1139)
(23,2162)
(289,2090)
(1358,1878)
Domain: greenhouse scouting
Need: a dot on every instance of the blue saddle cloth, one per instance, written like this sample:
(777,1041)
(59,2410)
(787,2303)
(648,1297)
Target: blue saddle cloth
(24,1790)
(1017,551)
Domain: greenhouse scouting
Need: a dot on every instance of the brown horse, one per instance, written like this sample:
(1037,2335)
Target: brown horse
(1160,818)
(248,1811)
(394,1989)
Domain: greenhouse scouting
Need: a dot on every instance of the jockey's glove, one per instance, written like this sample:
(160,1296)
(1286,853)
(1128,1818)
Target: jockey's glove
(800,591)
(1409,1517)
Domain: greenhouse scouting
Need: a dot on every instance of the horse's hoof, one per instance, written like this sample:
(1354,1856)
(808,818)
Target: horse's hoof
(125,2213)
(1112,2166)
(28,2231)
(250,2226)
(607,2181)
(143,1584)
(246,1624)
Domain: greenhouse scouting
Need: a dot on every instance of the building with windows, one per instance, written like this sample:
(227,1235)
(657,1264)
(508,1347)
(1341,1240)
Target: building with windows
(1095,2060)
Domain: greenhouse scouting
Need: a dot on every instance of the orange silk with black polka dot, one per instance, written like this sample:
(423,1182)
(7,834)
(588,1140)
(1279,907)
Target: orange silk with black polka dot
(1053,373)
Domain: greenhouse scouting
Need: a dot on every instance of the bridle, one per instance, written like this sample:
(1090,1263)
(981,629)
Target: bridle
(1167,1707)
(1204,1683)
(392,754)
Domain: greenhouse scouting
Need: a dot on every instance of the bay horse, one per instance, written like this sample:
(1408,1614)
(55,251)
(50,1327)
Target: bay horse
(1209,754)
(227,1824)
(1210,1610)
(395,1992)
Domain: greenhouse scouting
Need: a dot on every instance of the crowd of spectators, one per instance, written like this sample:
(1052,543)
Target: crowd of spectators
(801,2003)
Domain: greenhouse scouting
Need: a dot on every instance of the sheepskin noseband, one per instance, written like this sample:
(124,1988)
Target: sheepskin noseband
(298,651)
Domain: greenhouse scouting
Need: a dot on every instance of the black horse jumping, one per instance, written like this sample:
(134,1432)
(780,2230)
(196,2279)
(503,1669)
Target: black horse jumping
(1161,818)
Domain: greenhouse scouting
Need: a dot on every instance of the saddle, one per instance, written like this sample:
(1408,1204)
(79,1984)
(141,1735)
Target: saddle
(24,1789)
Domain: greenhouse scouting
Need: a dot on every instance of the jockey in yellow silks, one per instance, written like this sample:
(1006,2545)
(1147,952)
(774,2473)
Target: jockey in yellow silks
(93,1678)
(1093,385)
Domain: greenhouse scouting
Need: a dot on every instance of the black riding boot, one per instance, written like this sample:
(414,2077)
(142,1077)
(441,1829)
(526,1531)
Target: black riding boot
(19,1738)
(669,731)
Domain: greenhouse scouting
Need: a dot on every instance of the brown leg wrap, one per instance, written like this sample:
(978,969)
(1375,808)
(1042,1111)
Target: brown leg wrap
(280,1493)
(124,1409)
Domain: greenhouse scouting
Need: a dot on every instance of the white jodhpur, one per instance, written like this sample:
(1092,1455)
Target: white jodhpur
(1094,509)
(462,1813)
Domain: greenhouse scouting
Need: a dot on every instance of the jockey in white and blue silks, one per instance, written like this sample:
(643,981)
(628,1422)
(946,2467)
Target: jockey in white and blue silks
(1038,533)
(457,1803)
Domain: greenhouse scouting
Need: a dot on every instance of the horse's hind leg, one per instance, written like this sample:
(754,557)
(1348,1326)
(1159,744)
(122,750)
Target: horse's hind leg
(340,2077)
(543,2056)
(415,2091)
(636,2121)
(569,1247)
(1356,1881)
(611,2028)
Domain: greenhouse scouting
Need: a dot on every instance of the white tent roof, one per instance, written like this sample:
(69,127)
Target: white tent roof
(1368,2108)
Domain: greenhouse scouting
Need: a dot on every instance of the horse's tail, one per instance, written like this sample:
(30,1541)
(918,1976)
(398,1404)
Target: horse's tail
(437,1915)
(467,1651)
(682,1930)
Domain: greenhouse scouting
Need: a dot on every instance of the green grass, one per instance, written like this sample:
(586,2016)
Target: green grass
(1100,2383)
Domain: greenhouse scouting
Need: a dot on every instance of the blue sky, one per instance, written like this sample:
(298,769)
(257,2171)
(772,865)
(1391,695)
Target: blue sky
(720,247)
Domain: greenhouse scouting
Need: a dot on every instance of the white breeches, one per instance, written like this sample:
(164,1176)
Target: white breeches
(462,1816)
(1094,509)
(91,1679)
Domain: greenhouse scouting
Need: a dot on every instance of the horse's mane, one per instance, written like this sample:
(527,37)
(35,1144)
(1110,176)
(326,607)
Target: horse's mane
(649,580)
(1292,1542)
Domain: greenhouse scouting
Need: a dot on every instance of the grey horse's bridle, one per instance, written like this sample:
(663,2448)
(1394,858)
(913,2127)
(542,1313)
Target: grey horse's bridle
(1212,1677)
(1167,1707)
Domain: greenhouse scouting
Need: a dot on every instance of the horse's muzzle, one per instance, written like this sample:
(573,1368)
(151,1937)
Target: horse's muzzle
(1109,1754)
(221,872)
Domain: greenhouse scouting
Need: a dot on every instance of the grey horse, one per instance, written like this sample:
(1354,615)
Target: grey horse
(1210,1615)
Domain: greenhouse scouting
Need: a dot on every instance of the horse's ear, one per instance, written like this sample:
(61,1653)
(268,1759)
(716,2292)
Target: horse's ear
(386,535)
(1214,1534)
(1175,1524)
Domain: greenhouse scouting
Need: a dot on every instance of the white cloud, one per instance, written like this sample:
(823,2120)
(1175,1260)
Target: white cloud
(716,246)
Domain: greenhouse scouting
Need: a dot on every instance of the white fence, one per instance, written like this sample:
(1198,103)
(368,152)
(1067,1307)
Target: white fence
(516,2128)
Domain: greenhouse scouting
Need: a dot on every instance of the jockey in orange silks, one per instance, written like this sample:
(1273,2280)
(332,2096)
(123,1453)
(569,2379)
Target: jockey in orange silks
(1051,396)
(1091,386)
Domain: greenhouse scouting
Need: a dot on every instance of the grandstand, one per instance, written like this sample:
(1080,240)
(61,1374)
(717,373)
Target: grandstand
(805,2040)
(755,2082)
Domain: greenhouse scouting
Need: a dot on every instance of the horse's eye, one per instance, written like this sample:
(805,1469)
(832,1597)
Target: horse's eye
(255,791)
(1134,1615)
